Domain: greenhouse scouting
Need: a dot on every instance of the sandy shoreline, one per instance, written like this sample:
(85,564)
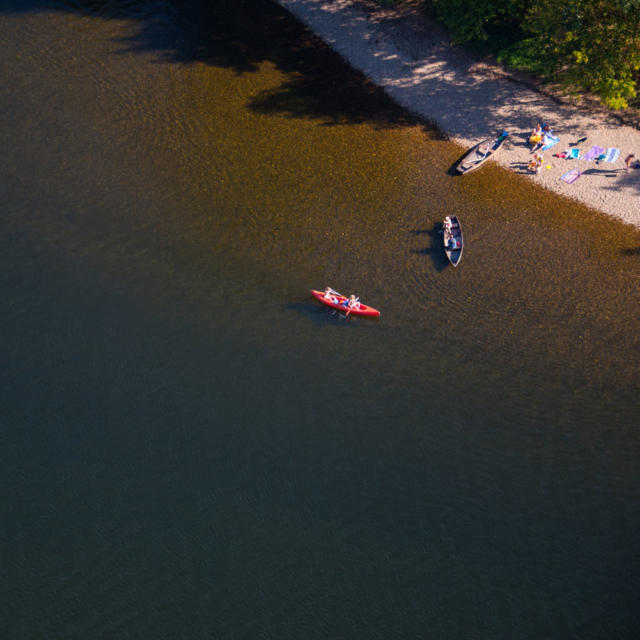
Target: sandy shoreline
(468,100)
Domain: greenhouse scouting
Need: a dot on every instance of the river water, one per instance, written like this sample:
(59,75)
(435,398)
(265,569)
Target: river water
(194,448)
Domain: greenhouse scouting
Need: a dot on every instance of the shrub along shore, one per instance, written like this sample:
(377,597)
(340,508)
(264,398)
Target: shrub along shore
(469,98)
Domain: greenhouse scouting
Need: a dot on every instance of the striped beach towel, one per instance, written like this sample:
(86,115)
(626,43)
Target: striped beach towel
(571,176)
(594,152)
(612,154)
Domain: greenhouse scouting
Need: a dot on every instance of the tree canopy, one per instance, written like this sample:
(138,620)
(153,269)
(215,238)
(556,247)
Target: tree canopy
(586,45)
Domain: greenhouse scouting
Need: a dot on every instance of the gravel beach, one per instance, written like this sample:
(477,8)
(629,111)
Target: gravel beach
(403,52)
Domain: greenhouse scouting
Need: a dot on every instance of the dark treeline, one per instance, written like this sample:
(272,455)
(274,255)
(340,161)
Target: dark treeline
(584,45)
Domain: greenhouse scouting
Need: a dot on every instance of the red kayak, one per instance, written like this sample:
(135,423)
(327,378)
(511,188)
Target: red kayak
(340,302)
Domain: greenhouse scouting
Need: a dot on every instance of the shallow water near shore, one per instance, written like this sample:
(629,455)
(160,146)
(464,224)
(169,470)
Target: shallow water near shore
(194,448)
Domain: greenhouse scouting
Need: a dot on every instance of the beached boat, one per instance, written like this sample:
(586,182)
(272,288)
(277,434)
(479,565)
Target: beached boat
(452,238)
(340,302)
(479,154)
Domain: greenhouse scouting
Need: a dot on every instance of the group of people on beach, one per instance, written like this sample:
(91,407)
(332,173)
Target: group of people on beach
(539,138)
(536,139)
(542,137)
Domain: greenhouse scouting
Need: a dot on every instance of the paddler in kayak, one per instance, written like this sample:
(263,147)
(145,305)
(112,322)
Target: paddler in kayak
(328,295)
(352,302)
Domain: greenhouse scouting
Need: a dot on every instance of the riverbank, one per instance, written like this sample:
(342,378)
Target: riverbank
(403,52)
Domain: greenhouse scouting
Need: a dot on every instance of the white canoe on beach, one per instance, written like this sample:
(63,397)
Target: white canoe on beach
(479,154)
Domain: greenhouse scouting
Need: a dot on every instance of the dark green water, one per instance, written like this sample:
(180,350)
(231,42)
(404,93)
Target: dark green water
(193,448)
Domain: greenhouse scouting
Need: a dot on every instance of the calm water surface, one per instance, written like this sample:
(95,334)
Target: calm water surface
(193,448)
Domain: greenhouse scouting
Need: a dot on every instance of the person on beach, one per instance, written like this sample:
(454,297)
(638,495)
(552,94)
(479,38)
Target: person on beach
(628,160)
(536,163)
(536,136)
(546,131)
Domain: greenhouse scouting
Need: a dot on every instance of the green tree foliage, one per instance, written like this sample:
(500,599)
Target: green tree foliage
(591,45)
(481,21)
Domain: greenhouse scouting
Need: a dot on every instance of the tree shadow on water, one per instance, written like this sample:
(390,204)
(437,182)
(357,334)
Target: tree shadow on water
(242,36)
(435,249)
(319,83)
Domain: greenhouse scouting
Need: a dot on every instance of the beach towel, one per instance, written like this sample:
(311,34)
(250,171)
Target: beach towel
(549,141)
(571,176)
(574,154)
(594,152)
(612,154)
